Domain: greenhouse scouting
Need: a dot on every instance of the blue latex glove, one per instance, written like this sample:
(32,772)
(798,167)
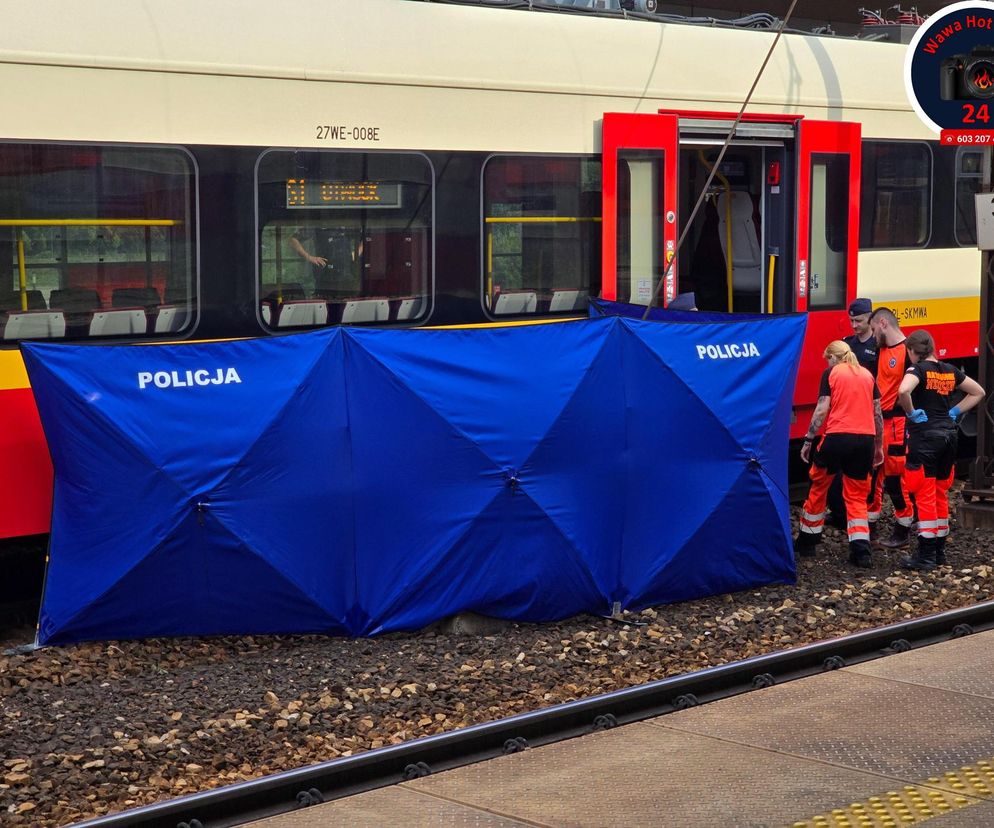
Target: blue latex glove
(919,416)
(954,412)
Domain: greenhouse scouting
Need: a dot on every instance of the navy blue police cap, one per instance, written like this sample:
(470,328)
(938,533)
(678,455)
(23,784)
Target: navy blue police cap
(860,306)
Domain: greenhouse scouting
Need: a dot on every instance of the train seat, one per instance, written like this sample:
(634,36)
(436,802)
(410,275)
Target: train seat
(516,301)
(267,313)
(135,297)
(35,325)
(171,318)
(12,300)
(303,312)
(74,300)
(122,322)
(366,310)
(410,308)
(568,300)
(747,263)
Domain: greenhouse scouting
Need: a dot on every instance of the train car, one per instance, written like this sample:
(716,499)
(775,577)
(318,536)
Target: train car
(188,171)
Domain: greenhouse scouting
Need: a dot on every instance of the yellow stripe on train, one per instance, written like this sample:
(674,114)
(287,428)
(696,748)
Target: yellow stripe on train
(911,312)
(925,312)
(12,372)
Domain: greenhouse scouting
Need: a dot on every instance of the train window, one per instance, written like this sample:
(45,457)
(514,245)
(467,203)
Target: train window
(970,177)
(95,241)
(895,194)
(541,230)
(829,230)
(344,237)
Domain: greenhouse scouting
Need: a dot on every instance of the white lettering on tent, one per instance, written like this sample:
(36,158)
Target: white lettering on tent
(731,350)
(188,379)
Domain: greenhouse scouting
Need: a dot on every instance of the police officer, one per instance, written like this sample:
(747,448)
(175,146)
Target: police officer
(849,419)
(861,341)
(924,396)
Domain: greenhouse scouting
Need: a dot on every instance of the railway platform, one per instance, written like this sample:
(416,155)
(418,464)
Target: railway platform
(899,740)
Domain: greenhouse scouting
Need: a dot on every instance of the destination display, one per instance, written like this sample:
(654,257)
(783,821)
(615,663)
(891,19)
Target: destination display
(305,193)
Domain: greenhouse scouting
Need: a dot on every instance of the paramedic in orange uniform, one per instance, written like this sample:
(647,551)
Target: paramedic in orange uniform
(864,346)
(925,398)
(892,362)
(851,442)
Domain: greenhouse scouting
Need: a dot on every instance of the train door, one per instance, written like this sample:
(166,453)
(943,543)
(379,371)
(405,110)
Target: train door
(828,173)
(639,229)
(777,230)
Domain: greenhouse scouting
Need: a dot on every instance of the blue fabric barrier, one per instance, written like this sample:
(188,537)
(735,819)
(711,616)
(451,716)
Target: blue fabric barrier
(360,481)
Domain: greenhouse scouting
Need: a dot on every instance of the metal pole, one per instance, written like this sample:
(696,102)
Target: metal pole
(22,277)
(980,473)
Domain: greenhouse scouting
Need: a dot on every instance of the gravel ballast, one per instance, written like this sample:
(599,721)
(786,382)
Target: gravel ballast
(101,727)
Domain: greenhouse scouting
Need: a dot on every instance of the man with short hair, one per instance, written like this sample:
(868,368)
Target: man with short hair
(862,341)
(892,362)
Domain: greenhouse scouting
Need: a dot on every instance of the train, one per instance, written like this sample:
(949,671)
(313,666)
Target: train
(185,171)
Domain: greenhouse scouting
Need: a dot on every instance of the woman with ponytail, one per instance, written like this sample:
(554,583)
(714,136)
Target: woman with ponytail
(845,435)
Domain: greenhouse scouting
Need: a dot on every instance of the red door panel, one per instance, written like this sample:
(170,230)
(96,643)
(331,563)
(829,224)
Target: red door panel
(621,132)
(822,145)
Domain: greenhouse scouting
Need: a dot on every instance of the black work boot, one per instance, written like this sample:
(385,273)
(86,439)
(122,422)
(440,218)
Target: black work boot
(806,544)
(924,557)
(837,520)
(940,551)
(859,554)
(899,539)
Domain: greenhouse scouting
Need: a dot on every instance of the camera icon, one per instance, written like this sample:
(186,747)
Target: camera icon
(968,77)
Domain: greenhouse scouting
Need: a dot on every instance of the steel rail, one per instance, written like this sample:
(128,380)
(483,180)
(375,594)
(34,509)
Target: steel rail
(284,792)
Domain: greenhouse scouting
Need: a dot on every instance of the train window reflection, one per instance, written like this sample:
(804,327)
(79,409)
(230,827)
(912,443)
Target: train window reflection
(970,178)
(344,237)
(829,230)
(895,194)
(542,234)
(95,241)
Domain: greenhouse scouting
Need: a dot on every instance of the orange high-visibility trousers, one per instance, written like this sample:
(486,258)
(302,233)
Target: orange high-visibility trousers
(923,487)
(812,519)
(891,475)
(942,504)
(855,493)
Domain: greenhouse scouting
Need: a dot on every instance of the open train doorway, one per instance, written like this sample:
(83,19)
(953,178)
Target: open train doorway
(736,254)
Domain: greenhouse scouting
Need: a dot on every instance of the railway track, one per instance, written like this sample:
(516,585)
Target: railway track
(280,793)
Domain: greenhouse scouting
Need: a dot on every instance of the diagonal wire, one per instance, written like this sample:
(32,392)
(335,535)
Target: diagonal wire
(717,163)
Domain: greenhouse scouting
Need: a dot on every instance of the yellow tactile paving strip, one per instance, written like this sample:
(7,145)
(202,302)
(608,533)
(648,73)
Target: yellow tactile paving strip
(911,805)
